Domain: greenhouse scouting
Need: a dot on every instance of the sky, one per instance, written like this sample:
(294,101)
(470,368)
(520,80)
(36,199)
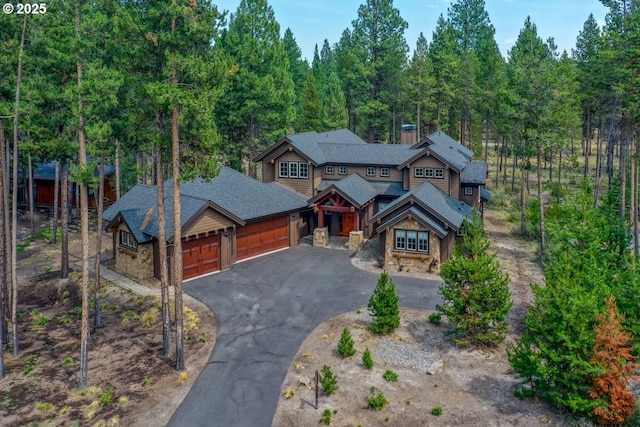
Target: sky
(311,21)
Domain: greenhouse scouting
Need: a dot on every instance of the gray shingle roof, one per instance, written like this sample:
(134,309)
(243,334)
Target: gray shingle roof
(236,194)
(433,200)
(354,188)
(474,173)
(452,153)
(417,214)
(383,188)
(485,194)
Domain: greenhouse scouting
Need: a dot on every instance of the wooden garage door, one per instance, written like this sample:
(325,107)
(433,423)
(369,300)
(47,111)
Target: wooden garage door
(200,256)
(262,237)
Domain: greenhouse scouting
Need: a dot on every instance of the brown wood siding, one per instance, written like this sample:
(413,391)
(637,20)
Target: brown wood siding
(226,248)
(301,185)
(209,220)
(454,179)
(295,225)
(395,175)
(428,162)
(472,200)
(446,246)
(405,179)
(317,177)
(268,171)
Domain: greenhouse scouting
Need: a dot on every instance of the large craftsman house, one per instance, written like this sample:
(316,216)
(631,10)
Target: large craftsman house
(413,197)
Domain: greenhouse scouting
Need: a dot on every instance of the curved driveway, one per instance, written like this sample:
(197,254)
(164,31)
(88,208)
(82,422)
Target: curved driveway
(265,308)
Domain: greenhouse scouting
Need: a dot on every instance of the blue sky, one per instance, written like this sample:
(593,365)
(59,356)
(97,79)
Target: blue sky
(314,20)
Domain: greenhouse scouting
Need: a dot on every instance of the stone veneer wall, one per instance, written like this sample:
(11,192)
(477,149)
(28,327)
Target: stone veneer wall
(410,260)
(136,265)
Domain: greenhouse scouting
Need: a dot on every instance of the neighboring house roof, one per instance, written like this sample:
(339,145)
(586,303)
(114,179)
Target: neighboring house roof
(444,207)
(474,173)
(354,188)
(485,194)
(232,193)
(47,171)
(420,216)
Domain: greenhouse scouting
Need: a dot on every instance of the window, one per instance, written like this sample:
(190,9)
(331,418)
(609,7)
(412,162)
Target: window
(412,237)
(293,170)
(342,170)
(128,241)
(412,241)
(423,241)
(418,172)
(401,239)
(328,169)
(438,173)
(284,169)
(468,191)
(384,171)
(371,171)
(428,173)
(303,172)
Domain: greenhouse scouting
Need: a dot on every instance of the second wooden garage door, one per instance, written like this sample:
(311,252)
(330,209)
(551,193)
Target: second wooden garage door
(200,256)
(262,237)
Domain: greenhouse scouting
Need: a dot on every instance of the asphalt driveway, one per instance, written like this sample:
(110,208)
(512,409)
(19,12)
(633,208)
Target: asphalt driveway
(265,308)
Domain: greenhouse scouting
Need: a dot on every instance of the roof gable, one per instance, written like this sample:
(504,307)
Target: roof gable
(418,215)
(354,188)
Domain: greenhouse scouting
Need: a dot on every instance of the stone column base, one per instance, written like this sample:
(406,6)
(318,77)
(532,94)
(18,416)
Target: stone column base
(356,240)
(321,237)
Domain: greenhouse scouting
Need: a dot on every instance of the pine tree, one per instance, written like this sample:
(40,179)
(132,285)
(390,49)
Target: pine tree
(475,292)
(612,352)
(367,361)
(345,344)
(383,306)
(311,110)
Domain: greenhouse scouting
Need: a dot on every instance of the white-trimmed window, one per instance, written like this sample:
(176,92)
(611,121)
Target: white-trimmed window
(128,241)
(418,172)
(401,239)
(342,170)
(293,169)
(384,171)
(303,171)
(371,171)
(428,172)
(328,169)
(412,240)
(438,173)
(284,169)
(468,191)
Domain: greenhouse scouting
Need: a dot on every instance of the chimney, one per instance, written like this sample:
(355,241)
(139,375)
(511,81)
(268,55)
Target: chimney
(408,135)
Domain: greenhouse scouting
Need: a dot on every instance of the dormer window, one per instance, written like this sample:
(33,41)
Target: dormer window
(371,171)
(128,241)
(418,172)
(438,173)
(384,171)
(342,170)
(468,191)
(328,169)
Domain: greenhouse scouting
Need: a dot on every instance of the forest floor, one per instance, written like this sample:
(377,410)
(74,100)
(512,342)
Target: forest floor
(130,383)
(473,387)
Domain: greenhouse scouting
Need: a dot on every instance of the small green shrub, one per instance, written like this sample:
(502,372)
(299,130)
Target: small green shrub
(435,318)
(38,318)
(20,247)
(390,376)
(326,417)
(523,393)
(106,397)
(46,235)
(44,406)
(145,381)
(328,380)
(437,411)
(345,344)
(367,361)
(67,361)
(129,316)
(30,364)
(377,401)
(149,317)
(383,306)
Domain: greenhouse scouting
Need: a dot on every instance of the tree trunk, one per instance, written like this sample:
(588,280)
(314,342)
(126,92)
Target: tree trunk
(523,203)
(540,203)
(623,175)
(14,199)
(559,175)
(596,190)
(99,196)
(117,166)
(162,250)
(56,202)
(64,245)
(177,231)
(587,144)
(84,221)
(30,193)
(513,174)
(4,225)
(635,199)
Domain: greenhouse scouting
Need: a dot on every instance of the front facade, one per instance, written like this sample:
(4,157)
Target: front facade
(414,196)
(229,219)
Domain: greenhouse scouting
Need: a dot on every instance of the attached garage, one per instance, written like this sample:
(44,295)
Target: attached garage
(200,256)
(261,237)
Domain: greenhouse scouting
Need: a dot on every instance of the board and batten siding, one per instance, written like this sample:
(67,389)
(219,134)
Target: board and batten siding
(454,178)
(209,220)
(395,175)
(268,171)
(301,185)
(429,162)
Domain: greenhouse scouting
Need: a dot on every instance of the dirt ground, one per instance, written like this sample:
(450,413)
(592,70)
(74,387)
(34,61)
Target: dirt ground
(130,383)
(472,387)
